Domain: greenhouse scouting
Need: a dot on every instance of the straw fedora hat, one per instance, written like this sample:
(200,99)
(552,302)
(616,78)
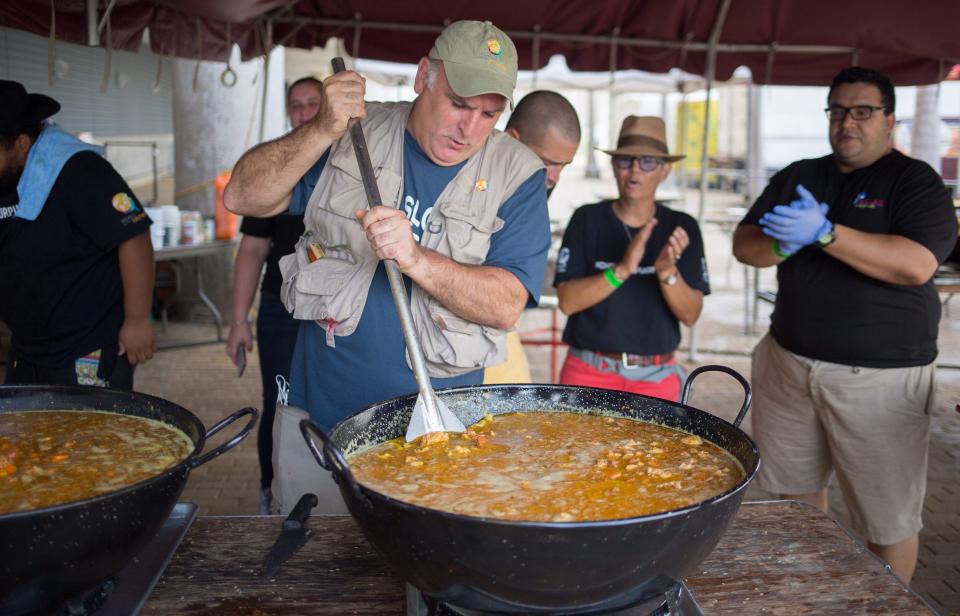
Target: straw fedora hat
(644,136)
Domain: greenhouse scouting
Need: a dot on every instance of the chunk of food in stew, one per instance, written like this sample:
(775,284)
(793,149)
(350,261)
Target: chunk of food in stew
(53,457)
(550,466)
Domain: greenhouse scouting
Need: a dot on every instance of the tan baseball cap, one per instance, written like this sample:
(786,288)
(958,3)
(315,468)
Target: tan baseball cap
(478,58)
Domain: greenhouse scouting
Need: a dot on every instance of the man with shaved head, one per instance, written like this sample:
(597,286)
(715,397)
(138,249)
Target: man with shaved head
(547,123)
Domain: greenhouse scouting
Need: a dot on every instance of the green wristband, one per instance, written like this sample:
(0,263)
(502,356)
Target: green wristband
(775,244)
(612,278)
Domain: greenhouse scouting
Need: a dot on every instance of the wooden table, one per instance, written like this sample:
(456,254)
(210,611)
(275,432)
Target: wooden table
(778,557)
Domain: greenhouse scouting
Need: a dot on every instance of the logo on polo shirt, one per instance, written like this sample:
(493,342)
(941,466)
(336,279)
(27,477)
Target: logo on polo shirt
(123,203)
(863,203)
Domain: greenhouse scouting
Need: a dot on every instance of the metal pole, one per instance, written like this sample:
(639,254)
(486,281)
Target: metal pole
(156,180)
(711,72)
(593,171)
(268,49)
(92,38)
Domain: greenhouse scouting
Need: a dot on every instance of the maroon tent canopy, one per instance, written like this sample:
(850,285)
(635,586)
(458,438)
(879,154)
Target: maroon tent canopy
(782,42)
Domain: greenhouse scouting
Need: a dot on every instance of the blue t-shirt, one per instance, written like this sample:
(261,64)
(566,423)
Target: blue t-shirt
(370,365)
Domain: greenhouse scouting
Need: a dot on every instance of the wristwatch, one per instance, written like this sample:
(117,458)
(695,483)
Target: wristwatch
(670,280)
(826,238)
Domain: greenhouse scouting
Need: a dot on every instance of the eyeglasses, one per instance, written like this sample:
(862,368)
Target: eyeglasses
(837,113)
(647,163)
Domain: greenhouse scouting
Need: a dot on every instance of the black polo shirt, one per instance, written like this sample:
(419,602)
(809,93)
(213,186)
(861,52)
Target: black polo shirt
(635,318)
(60,288)
(829,311)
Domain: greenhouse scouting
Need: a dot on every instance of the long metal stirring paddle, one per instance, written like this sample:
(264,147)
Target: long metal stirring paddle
(430,414)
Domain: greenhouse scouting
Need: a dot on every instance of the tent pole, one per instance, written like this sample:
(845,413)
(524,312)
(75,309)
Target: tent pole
(267,50)
(92,39)
(711,72)
(593,171)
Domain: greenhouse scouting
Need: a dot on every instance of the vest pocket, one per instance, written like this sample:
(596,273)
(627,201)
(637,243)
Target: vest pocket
(320,290)
(452,345)
(467,235)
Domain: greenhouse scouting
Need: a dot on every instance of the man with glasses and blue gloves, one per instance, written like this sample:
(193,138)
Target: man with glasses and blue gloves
(844,381)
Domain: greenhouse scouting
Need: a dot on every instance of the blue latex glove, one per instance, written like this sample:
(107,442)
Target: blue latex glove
(798,224)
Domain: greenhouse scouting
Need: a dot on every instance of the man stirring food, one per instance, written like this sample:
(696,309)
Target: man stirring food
(465,219)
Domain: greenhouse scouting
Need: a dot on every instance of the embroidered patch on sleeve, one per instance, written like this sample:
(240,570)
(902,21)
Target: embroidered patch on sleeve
(123,203)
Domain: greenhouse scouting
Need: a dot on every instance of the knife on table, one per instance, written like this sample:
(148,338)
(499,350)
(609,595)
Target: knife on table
(293,535)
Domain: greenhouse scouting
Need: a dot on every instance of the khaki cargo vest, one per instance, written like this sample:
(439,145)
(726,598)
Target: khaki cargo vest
(332,290)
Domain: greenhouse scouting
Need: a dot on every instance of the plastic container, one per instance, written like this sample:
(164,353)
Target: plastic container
(170,215)
(224,220)
(209,230)
(156,229)
(191,225)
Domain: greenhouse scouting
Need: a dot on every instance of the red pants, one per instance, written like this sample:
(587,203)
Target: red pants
(577,372)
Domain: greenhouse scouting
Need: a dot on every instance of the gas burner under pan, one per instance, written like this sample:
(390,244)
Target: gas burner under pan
(678,601)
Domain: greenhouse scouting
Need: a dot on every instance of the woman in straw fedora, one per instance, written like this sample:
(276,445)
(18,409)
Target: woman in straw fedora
(628,273)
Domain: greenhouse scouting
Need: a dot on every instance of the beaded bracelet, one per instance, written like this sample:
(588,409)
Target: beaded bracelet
(612,278)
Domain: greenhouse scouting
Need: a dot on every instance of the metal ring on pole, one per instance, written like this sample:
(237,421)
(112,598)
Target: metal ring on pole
(228,77)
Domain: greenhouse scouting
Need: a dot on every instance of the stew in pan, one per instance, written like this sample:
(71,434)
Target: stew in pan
(53,457)
(550,466)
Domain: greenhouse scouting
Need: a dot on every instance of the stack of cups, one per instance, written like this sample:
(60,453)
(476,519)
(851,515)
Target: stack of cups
(170,215)
(156,229)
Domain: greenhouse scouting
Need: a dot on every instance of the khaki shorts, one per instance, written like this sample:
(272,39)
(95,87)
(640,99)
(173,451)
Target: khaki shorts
(515,370)
(870,426)
(296,471)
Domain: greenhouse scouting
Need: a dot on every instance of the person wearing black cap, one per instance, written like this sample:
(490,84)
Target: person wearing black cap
(76,262)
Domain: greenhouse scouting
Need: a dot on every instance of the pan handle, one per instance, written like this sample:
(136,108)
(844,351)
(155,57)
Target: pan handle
(220,425)
(331,458)
(747,395)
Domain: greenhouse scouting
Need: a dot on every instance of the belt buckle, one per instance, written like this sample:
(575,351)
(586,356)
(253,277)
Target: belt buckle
(624,359)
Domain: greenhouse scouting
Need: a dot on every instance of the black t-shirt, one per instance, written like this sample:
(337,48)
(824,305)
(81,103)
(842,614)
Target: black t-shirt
(635,318)
(827,310)
(283,230)
(60,287)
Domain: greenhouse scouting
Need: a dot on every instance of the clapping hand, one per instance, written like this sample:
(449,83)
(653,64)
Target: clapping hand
(798,224)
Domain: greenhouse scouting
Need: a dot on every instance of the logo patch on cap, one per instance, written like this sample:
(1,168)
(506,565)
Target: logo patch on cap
(122,203)
(493,46)
(481,185)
